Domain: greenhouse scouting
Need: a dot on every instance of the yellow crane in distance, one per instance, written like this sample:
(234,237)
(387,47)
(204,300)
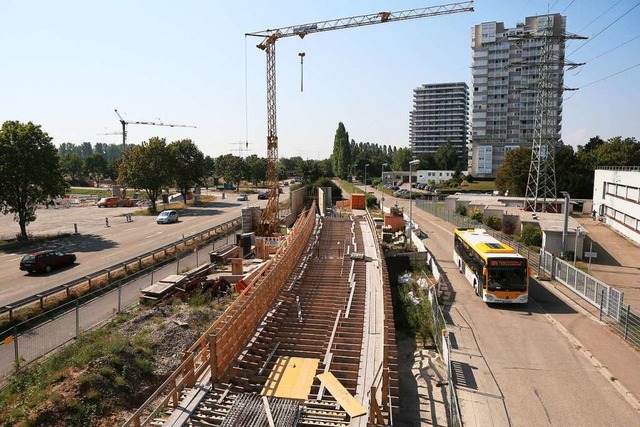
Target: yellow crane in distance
(270,222)
(132,122)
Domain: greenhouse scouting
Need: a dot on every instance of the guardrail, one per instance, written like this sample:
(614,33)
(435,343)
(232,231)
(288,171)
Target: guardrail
(112,273)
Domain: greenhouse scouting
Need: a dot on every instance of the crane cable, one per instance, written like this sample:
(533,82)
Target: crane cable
(246,94)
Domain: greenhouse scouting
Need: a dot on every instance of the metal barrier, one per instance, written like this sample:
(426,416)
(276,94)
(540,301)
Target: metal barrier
(66,290)
(43,333)
(610,301)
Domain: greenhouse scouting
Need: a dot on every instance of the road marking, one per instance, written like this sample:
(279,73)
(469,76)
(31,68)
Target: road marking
(154,235)
(12,260)
(128,229)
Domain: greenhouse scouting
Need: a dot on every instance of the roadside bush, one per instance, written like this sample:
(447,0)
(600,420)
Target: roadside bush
(476,215)
(509,223)
(531,235)
(493,222)
(461,209)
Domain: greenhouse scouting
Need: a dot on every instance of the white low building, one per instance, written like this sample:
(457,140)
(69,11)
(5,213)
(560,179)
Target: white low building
(616,199)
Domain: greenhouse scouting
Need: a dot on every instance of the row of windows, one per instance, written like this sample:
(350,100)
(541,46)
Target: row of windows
(623,191)
(622,218)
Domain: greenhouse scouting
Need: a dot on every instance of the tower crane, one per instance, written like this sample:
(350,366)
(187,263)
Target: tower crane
(270,221)
(127,122)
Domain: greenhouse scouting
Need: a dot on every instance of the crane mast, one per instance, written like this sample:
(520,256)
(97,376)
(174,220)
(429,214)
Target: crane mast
(270,222)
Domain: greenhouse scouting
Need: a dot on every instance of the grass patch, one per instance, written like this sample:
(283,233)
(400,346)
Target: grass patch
(473,187)
(349,187)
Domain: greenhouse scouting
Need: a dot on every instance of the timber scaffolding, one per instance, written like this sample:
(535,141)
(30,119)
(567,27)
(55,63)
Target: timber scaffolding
(311,303)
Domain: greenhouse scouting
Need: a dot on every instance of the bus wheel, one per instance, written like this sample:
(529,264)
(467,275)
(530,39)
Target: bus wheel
(475,288)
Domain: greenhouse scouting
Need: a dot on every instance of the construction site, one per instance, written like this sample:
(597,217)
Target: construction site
(309,342)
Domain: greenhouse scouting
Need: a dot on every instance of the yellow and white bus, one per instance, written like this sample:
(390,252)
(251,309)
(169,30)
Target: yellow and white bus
(496,271)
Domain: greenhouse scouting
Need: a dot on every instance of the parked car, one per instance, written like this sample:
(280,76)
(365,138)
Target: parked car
(243,197)
(263,196)
(114,202)
(167,217)
(45,261)
(108,202)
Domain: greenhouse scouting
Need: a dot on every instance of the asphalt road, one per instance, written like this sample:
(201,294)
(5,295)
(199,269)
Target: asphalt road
(516,366)
(98,246)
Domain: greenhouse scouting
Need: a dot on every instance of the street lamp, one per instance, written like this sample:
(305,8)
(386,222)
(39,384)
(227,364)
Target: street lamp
(365,181)
(411,163)
(566,222)
(382,189)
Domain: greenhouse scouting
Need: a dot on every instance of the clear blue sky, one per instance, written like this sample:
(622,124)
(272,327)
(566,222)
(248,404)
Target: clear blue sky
(67,64)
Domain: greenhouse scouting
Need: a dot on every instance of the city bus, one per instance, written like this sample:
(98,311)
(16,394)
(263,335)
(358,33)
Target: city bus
(496,271)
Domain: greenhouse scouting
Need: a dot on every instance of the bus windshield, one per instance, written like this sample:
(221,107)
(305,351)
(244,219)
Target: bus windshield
(508,279)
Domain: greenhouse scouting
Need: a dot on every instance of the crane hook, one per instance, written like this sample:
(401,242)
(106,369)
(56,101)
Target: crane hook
(301,55)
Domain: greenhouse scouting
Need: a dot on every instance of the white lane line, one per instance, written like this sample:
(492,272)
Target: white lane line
(12,260)
(128,229)
(154,235)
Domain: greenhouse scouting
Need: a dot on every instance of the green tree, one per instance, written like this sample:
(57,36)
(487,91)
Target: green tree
(72,165)
(531,235)
(255,169)
(230,168)
(493,222)
(187,167)
(446,156)
(341,155)
(209,169)
(514,173)
(476,214)
(147,166)
(96,166)
(401,159)
(30,172)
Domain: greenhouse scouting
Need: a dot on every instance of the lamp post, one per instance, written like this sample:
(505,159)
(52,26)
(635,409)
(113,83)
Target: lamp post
(411,163)
(382,189)
(566,222)
(365,181)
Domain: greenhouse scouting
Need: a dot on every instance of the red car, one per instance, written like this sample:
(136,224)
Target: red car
(45,261)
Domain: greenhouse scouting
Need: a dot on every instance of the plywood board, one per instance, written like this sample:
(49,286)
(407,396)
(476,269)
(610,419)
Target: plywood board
(291,378)
(344,398)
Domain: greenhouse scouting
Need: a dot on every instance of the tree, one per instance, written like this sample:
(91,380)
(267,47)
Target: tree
(30,172)
(96,166)
(531,235)
(255,169)
(187,166)
(446,156)
(147,166)
(514,173)
(341,156)
(401,159)
(209,169)
(230,168)
(72,165)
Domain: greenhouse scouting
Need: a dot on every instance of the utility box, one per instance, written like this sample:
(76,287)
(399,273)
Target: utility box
(358,201)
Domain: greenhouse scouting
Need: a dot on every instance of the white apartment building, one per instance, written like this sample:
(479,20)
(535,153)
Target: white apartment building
(616,199)
(440,114)
(505,74)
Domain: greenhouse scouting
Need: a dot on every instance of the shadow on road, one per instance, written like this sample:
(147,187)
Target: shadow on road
(75,243)
(549,302)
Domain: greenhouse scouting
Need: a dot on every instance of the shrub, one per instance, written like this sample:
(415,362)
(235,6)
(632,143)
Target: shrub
(371,200)
(461,209)
(476,214)
(531,235)
(509,223)
(493,222)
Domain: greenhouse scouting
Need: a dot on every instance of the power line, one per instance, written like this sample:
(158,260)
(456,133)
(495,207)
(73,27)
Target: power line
(599,16)
(565,9)
(611,75)
(604,29)
(613,48)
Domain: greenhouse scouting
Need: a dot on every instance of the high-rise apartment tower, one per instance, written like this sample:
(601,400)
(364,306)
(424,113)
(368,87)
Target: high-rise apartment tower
(440,114)
(506,66)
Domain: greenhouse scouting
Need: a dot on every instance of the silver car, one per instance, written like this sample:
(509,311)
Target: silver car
(167,217)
